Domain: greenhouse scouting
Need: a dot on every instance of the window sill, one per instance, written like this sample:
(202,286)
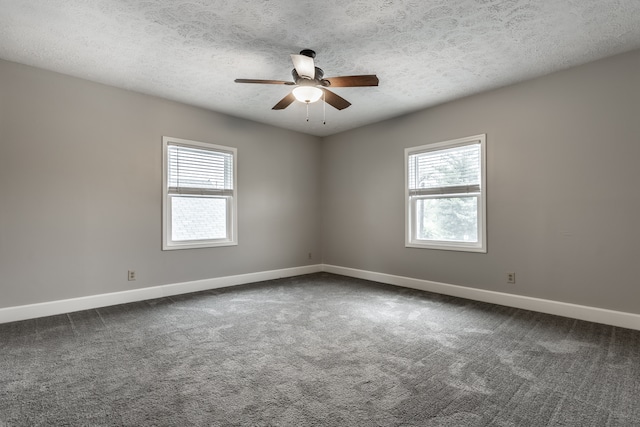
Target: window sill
(176,246)
(462,247)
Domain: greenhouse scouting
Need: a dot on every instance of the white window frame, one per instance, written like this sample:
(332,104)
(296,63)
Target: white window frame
(232,215)
(411,241)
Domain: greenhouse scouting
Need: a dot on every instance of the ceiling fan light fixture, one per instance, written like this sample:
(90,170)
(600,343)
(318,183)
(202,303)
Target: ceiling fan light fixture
(307,94)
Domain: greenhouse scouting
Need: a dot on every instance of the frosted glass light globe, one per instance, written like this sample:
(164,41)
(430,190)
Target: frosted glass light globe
(307,94)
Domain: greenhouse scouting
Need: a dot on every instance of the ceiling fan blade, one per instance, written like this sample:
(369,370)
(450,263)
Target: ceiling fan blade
(334,100)
(284,102)
(268,82)
(304,66)
(353,81)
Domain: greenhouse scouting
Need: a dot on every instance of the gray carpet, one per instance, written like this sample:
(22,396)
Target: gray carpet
(317,350)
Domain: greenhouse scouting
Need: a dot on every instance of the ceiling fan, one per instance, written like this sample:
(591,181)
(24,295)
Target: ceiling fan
(310,84)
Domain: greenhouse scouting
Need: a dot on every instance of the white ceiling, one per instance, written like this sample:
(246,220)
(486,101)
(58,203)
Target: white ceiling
(425,52)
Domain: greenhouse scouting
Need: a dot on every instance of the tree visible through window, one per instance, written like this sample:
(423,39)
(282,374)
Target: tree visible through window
(445,195)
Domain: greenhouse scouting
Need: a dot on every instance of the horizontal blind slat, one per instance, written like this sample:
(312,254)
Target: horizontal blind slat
(199,191)
(453,190)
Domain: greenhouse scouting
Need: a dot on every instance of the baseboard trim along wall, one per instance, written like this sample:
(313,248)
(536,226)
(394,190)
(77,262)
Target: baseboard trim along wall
(574,311)
(32,311)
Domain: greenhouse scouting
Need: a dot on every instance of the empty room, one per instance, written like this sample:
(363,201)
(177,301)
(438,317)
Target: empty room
(356,213)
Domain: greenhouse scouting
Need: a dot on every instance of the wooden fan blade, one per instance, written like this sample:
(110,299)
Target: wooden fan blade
(353,81)
(334,100)
(284,102)
(304,66)
(268,82)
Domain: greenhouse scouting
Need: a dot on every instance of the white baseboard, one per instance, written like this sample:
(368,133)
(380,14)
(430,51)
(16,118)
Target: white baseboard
(574,311)
(32,311)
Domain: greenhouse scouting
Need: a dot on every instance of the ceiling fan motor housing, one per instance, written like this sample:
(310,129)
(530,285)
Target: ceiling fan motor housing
(317,79)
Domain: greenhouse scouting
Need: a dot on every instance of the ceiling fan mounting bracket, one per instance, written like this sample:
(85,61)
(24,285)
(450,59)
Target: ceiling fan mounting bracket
(308,52)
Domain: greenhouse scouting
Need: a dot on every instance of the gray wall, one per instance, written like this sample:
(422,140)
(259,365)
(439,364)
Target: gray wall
(80,190)
(562,173)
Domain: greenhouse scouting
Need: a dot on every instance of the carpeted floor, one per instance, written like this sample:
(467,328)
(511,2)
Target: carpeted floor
(317,350)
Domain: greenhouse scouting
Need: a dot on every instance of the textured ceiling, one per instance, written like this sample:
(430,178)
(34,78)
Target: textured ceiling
(425,52)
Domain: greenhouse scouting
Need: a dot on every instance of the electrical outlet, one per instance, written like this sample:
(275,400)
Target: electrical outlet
(511,277)
(131,275)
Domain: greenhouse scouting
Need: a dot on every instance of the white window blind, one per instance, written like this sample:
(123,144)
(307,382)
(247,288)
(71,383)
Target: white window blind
(450,171)
(198,171)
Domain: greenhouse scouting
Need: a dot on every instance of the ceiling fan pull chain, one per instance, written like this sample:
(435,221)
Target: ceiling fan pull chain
(324,107)
(307,111)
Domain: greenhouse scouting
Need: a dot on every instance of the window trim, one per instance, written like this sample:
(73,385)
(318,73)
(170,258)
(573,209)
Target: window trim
(410,201)
(232,206)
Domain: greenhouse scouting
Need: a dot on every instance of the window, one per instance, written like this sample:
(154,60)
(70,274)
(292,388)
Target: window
(445,195)
(199,200)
